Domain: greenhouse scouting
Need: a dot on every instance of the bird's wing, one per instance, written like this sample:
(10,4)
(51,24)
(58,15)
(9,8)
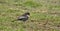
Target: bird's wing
(21,17)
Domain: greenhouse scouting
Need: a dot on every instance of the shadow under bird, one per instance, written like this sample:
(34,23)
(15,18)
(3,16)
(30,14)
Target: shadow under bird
(24,17)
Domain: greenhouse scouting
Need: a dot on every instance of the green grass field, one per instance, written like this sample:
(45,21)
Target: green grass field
(45,15)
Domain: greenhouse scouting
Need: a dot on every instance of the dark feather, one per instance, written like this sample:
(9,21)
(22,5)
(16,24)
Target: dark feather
(24,17)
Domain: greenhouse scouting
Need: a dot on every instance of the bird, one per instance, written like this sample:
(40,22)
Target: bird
(24,17)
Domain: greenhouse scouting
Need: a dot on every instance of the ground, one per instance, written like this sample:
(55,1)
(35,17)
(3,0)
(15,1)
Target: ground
(44,15)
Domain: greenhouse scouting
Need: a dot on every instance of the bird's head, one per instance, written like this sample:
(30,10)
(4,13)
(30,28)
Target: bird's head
(27,14)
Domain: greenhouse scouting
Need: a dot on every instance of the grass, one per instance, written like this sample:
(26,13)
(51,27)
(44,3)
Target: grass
(31,4)
(38,21)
